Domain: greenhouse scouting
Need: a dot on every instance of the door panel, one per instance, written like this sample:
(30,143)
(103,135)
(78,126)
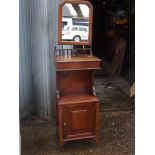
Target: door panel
(78,120)
(80,117)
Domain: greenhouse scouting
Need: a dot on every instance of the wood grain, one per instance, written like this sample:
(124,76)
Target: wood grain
(77,107)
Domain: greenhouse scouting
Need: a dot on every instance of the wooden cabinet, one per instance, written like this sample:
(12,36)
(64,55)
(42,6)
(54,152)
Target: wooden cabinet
(77,105)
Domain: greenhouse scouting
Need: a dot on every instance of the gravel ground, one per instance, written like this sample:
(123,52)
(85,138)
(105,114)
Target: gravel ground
(38,136)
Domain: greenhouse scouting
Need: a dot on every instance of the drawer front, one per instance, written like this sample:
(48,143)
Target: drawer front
(78,65)
(79,120)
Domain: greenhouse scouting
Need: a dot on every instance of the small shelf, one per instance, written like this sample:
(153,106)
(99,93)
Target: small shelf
(78,98)
(77,58)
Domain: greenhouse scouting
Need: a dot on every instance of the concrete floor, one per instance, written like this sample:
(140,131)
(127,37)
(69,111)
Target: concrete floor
(38,136)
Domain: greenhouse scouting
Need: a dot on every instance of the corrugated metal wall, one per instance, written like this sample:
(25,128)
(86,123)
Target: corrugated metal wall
(41,58)
(39,28)
(25,72)
(53,42)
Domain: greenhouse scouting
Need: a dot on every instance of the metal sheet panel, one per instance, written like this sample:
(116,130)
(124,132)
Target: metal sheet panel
(25,72)
(53,42)
(38,34)
(42,60)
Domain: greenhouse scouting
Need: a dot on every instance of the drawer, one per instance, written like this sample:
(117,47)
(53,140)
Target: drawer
(62,66)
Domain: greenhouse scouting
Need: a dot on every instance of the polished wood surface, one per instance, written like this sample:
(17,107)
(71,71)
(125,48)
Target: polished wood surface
(73,82)
(60,41)
(77,98)
(77,106)
(79,62)
(78,58)
(79,120)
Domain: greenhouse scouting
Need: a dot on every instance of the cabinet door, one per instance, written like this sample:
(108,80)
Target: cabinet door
(78,120)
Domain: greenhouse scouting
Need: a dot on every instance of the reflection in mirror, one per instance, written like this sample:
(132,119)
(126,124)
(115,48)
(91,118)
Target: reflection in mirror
(75,22)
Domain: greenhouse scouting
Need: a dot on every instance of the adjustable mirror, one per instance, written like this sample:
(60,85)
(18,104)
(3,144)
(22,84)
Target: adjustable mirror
(75,23)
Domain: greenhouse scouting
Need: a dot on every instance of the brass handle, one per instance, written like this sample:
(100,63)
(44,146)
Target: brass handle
(65,123)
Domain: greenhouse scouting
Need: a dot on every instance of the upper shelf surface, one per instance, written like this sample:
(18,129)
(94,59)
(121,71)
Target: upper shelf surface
(81,57)
(78,62)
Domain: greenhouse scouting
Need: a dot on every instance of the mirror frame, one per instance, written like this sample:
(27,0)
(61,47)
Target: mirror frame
(60,41)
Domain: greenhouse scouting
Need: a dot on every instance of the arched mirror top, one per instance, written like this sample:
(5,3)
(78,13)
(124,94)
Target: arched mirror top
(75,23)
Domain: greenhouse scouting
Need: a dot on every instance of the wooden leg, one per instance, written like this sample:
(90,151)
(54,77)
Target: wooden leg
(97,124)
(96,140)
(57,133)
(61,143)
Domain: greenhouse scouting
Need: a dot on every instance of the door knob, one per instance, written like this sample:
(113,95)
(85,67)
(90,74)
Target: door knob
(65,123)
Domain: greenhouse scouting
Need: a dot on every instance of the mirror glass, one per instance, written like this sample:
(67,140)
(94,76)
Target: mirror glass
(75,23)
